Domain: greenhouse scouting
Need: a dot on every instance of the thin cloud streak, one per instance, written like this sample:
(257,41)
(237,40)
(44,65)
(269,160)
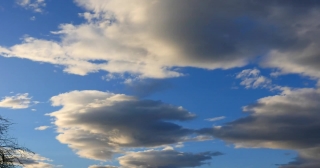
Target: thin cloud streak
(165,158)
(215,118)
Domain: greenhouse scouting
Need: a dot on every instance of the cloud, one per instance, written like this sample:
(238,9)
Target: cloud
(35,161)
(99,166)
(303,56)
(165,159)
(301,163)
(251,78)
(286,121)
(150,38)
(19,101)
(215,118)
(34,5)
(99,124)
(41,128)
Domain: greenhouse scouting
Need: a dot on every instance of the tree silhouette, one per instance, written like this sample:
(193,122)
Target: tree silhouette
(11,153)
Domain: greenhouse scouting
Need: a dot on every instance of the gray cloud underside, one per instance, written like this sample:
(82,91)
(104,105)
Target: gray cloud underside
(286,121)
(301,163)
(162,159)
(143,120)
(149,38)
(165,159)
(99,124)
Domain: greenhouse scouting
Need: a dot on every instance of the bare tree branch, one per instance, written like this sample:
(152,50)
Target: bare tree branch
(11,154)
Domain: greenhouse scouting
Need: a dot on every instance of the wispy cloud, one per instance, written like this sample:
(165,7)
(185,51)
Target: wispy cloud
(19,101)
(251,78)
(41,128)
(34,5)
(101,166)
(215,118)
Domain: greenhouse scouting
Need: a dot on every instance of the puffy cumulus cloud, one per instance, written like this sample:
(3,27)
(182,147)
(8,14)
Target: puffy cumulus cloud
(98,124)
(286,121)
(19,101)
(35,5)
(150,38)
(165,159)
(251,78)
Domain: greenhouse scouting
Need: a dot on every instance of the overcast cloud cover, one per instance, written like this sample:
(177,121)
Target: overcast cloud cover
(144,44)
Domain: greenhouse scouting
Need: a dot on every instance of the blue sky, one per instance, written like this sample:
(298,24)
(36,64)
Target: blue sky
(161,83)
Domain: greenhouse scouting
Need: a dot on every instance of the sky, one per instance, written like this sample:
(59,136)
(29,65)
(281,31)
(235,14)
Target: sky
(162,83)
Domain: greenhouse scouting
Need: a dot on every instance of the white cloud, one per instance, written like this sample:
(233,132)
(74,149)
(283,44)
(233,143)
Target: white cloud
(41,128)
(19,101)
(215,118)
(99,124)
(150,38)
(251,78)
(34,5)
